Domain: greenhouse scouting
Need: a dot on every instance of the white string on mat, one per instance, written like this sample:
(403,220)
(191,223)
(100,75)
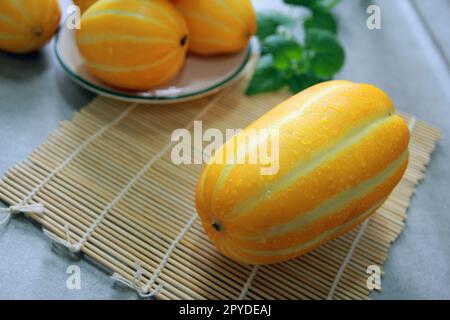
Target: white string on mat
(77,246)
(144,290)
(347,259)
(169,252)
(249,282)
(36,208)
(73,155)
(72,247)
(135,283)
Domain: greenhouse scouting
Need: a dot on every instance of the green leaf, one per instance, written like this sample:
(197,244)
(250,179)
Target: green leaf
(300,82)
(304,3)
(327,4)
(314,4)
(266,78)
(327,55)
(268,23)
(321,19)
(286,52)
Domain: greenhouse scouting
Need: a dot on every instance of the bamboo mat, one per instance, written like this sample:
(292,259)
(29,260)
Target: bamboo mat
(111,191)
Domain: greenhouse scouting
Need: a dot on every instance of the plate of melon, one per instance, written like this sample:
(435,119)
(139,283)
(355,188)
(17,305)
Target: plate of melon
(158,51)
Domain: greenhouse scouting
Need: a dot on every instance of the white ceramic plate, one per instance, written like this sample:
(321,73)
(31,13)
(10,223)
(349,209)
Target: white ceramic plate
(201,76)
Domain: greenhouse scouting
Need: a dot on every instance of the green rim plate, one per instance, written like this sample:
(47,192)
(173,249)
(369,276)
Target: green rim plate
(222,78)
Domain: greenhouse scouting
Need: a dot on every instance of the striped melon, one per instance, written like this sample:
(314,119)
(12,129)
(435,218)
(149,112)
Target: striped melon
(133,44)
(341,152)
(218,26)
(27,25)
(84,4)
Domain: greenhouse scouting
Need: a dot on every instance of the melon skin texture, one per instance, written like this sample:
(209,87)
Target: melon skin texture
(84,4)
(134,44)
(218,26)
(342,150)
(26,26)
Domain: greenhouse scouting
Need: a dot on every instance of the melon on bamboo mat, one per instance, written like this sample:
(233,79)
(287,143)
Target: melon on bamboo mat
(27,25)
(341,151)
(218,26)
(134,44)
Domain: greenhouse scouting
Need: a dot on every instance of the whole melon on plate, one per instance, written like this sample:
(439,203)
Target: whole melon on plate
(341,151)
(84,4)
(27,25)
(133,44)
(218,26)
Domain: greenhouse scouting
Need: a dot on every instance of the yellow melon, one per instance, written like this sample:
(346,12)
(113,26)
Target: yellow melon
(133,44)
(84,4)
(27,25)
(341,150)
(218,26)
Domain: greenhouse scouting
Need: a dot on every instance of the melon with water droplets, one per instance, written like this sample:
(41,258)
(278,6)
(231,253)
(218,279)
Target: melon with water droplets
(341,152)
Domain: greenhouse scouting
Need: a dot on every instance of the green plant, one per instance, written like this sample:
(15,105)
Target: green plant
(287,61)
